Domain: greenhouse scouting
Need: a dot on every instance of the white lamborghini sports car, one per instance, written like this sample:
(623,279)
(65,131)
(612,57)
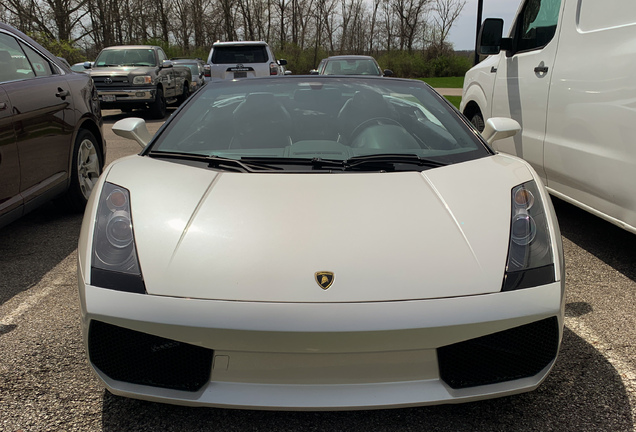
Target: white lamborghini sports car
(320,243)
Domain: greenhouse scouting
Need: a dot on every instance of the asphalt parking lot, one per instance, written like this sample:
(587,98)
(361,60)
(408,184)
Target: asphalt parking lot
(46,384)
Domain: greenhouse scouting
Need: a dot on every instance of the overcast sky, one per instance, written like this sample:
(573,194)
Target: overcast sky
(463,32)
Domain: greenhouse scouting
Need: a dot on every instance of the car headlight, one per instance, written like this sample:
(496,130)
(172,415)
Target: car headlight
(114,260)
(530,258)
(144,79)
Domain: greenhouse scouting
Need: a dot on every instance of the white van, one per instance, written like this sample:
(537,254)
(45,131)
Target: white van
(567,74)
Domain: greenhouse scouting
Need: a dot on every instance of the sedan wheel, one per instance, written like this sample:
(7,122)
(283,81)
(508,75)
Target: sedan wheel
(87,167)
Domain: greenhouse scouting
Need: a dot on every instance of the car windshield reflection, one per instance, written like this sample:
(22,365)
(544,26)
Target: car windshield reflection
(326,118)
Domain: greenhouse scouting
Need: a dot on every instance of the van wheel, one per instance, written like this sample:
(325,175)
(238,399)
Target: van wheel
(86,168)
(158,108)
(478,121)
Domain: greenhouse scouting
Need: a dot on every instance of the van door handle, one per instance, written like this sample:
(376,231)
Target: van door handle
(541,69)
(3,106)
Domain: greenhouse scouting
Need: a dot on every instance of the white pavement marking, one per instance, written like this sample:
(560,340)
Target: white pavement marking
(51,280)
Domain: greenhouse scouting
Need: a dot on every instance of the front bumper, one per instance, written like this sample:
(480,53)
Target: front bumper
(307,356)
(125,96)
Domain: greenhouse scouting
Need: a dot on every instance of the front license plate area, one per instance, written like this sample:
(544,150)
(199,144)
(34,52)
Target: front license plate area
(240,74)
(109,98)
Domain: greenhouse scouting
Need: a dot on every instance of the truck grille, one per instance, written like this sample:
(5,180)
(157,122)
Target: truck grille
(104,82)
(512,354)
(139,358)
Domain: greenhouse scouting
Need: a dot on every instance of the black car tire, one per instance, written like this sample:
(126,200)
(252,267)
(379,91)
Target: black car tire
(86,168)
(158,108)
(478,121)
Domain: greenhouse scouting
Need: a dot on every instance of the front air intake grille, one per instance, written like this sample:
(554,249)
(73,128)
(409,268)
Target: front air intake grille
(512,354)
(140,358)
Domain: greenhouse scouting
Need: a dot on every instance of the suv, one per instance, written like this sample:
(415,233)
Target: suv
(248,59)
(51,142)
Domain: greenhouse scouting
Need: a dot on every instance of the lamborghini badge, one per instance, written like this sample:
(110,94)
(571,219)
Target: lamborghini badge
(324,279)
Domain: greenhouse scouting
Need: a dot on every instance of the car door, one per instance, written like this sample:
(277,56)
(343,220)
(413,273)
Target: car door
(10,197)
(42,117)
(523,79)
(590,151)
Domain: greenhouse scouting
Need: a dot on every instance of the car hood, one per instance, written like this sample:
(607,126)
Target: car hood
(263,237)
(121,70)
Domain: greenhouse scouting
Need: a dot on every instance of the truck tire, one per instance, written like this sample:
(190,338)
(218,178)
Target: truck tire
(478,121)
(186,93)
(158,108)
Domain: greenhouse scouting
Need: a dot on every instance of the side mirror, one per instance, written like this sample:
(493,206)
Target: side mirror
(288,72)
(88,65)
(497,128)
(282,62)
(490,40)
(133,128)
(166,64)
(313,72)
(387,72)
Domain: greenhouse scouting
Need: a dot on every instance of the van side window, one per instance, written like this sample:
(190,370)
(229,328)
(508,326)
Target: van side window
(536,25)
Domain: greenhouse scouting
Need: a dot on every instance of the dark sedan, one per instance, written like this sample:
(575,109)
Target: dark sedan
(350,65)
(51,143)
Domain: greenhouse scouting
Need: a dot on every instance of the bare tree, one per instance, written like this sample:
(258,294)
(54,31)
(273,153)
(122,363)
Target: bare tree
(410,16)
(446,13)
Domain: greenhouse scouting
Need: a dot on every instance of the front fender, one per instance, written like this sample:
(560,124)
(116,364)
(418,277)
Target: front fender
(479,84)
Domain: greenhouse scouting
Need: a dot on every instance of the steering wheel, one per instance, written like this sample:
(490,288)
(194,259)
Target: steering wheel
(371,122)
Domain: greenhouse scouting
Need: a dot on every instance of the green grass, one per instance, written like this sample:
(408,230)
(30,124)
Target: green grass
(445,82)
(455,100)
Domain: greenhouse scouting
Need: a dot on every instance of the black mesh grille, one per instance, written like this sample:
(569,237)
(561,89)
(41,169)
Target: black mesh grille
(516,353)
(139,358)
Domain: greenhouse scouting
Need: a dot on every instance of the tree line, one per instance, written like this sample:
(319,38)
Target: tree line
(409,36)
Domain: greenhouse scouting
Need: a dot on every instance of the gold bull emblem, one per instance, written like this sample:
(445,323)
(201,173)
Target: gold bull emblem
(324,279)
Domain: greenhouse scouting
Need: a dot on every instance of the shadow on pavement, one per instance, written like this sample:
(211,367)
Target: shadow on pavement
(607,242)
(583,393)
(33,245)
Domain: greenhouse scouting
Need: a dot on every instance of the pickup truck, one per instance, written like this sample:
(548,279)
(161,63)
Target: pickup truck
(139,76)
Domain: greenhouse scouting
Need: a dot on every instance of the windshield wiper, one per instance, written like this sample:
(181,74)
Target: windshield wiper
(226,164)
(315,163)
(381,162)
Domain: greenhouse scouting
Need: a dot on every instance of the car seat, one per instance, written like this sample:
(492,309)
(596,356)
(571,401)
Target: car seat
(7,67)
(260,121)
(363,106)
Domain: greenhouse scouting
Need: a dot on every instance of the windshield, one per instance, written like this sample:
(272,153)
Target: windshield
(126,57)
(352,67)
(325,118)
